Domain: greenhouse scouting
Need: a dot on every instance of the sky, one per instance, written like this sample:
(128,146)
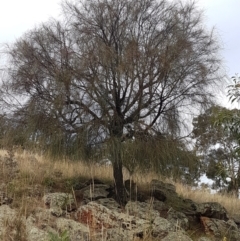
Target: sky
(19,16)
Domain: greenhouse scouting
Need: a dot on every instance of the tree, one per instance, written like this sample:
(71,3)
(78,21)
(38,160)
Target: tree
(216,144)
(112,64)
(164,155)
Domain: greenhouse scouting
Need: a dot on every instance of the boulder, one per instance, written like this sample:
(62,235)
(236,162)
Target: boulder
(162,191)
(75,230)
(204,239)
(117,224)
(163,185)
(236,219)
(212,210)
(161,227)
(7,215)
(178,220)
(178,236)
(59,203)
(220,228)
(109,203)
(141,210)
(95,192)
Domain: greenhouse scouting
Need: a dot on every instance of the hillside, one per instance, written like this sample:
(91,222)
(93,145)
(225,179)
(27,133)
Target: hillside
(33,188)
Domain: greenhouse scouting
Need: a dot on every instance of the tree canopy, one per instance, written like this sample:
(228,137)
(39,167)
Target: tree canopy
(111,64)
(217,146)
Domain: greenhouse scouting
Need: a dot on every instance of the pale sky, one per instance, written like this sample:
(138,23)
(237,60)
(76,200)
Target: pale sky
(18,16)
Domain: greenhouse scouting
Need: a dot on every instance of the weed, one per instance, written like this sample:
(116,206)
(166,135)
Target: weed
(64,236)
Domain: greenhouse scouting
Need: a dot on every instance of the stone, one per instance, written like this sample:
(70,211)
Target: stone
(178,220)
(76,231)
(161,227)
(204,239)
(141,210)
(104,219)
(7,214)
(59,203)
(96,191)
(212,210)
(220,228)
(109,203)
(178,236)
(159,184)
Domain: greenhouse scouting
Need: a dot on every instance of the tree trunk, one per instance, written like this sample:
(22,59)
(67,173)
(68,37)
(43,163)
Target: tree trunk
(116,156)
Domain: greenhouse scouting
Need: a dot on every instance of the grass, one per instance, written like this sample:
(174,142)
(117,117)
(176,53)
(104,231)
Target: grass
(38,174)
(40,171)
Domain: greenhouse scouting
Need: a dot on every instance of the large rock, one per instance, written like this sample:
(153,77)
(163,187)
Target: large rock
(178,236)
(117,224)
(76,231)
(178,220)
(142,210)
(59,203)
(220,228)
(7,215)
(109,203)
(162,191)
(40,224)
(212,210)
(95,192)
(166,192)
(104,219)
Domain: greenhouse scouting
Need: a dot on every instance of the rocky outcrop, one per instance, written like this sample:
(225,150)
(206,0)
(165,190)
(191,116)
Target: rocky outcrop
(212,210)
(91,213)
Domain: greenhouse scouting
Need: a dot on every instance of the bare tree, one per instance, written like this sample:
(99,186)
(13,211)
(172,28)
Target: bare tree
(115,64)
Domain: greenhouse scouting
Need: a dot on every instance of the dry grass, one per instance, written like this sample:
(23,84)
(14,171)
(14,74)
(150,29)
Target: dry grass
(39,170)
(231,203)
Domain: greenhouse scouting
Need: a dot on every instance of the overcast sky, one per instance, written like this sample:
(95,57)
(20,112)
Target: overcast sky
(18,16)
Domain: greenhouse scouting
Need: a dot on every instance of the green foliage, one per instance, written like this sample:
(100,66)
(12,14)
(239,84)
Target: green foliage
(165,155)
(217,145)
(49,182)
(64,236)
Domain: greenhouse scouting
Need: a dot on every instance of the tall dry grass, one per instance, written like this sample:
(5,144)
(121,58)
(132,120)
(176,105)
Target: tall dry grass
(38,170)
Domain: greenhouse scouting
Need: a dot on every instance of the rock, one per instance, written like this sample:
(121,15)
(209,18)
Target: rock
(96,191)
(118,225)
(159,184)
(212,210)
(178,236)
(159,195)
(220,228)
(178,220)
(204,239)
(109,203)
(76,231)
(4,198)
(236,219)
(34,232)
(166,192)
(96,216)
(141,210)
(59,203)
(159,206)
(93,181)
(161,191)
(104,219)
(79,196)
(161,227)
(7,215)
